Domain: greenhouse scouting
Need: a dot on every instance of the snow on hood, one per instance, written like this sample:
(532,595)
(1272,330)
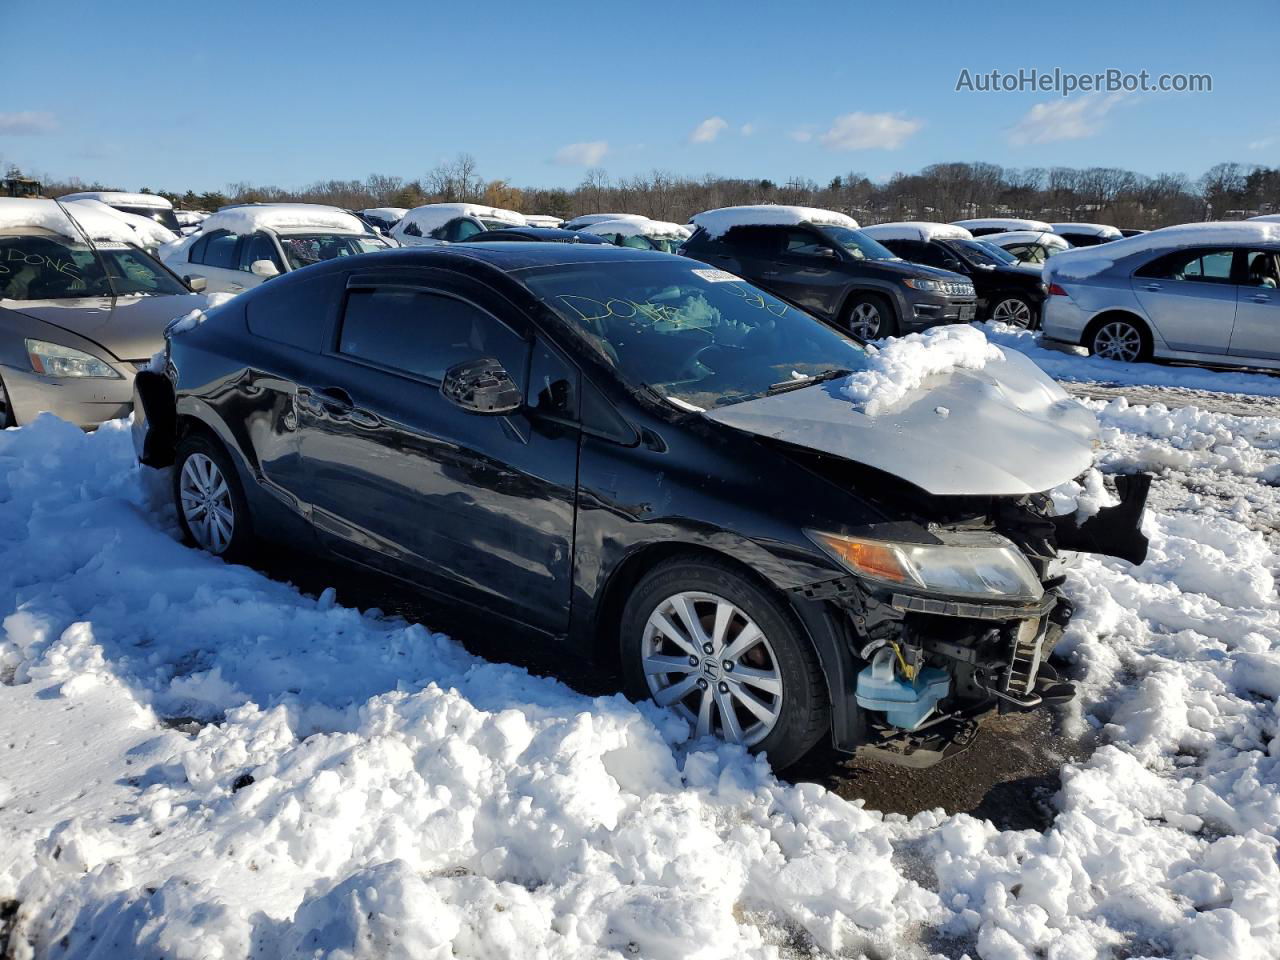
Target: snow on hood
(1093,229)
(1046,238)
(1004,223)
(924,230)
(720,221)
(47,215)
(282,216)
(945,411)
(1081,263)
(147,232)
(637,227)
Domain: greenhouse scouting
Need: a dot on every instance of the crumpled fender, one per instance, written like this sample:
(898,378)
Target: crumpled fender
(1113,531)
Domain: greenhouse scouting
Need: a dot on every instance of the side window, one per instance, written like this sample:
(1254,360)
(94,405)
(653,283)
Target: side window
(295,312)
(196,253)
(553,384)
(1260,268)
(220,250)
(413,230)
(804,243)
(462,228)
(259,246)
(424,333)
(754,241)
(1202,266)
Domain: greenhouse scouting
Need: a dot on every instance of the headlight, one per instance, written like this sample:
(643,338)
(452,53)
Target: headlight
(952,288)
(928,286)
(55,360)
(970,564)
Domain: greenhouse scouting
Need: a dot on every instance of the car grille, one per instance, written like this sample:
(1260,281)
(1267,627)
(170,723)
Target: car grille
(954,288)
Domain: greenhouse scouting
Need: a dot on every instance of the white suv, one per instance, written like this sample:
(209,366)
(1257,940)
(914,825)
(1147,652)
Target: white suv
(240,247)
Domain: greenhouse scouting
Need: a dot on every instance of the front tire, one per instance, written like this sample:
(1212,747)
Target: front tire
(869,317)
(726,655)
(1017,312)
(210,502)
(1120,339)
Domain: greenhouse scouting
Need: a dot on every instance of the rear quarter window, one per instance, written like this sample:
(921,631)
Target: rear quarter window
(297,312)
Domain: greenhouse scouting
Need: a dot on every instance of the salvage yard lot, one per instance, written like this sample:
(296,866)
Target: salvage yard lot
(201,760)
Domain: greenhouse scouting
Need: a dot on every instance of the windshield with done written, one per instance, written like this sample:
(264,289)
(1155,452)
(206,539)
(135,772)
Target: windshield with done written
(695,335)
(303,250)
(858,245)
(48,266)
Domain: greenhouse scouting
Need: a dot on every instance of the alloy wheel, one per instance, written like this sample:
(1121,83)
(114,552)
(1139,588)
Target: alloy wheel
(864,321)
(206,503)
(1118,341)
(706,659)
(1014,312)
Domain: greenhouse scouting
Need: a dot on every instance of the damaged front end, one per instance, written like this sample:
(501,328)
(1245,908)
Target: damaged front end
(953,618)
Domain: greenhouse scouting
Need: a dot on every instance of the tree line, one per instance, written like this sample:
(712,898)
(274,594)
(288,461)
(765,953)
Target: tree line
(942,192)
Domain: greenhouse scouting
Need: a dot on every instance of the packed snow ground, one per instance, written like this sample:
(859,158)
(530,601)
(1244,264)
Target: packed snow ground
(201,762)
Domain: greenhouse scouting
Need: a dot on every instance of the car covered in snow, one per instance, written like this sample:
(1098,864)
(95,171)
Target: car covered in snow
(383,218)
(821,261)
(189,220)
(242,246)
(640,233)
(1029,246)
(1202,292)
(434,223)
(543,220)
(148,233)
(82,308)
(983,226)
(653,464)
(147,205)
(1007,290)
(586,219)
(533,235)
(1087,234)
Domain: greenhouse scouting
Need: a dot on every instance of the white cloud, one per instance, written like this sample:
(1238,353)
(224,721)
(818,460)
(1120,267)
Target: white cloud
(27,122)
(1068,119)
(869,131)
(1263,143)
(582,154)
(801,135)
(708,130)
(747,129)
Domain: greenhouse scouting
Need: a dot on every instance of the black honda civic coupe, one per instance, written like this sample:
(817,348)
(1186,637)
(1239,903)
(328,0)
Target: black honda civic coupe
(651,463)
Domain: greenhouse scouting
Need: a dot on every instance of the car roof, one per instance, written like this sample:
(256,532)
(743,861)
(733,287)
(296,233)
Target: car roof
(536,233)
(507,256)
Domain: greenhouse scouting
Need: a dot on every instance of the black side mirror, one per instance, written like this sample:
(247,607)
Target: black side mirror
(481,386)
(954,265)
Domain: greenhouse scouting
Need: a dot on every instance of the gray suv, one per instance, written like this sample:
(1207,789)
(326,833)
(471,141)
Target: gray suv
(840,275)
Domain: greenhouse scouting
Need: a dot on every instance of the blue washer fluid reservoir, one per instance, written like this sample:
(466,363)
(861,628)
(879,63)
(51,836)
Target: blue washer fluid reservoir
(905,704)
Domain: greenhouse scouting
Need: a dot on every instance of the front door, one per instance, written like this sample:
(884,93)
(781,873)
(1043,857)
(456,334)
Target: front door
(1257,330)
(479,508)
(807,271)
(1190,298)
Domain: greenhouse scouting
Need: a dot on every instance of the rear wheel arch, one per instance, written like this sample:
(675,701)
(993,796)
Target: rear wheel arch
(1128,316)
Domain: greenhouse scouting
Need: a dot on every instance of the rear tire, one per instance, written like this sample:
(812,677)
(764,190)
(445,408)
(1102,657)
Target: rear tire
(1119,338)
(744,672)
(211,505)
(869,317)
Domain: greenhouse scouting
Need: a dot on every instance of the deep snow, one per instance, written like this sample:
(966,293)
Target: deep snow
(409,799)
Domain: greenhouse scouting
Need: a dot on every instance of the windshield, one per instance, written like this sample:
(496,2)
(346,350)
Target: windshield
(161,215)
(497,224)
(977,252)
(858,245)
(697,336)
(46,266)
(302,251)
(1000,253)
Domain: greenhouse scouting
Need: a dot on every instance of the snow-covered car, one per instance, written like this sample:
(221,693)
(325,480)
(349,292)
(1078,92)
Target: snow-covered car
(240,247)
(983,226)
(147,205)
(779,535)
(1029,246)
(434,223)
(384,218)
(82,308)
(640,233)
(1087,234)
(148,233)
(1204,292)
(543,220)
(577,223)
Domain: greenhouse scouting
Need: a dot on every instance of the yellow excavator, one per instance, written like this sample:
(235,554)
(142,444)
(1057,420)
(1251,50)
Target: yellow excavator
(15,184)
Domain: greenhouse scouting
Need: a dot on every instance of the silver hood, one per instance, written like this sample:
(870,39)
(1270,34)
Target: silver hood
(130,328)
(1007,430)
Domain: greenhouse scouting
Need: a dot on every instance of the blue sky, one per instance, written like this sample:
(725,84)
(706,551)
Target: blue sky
(171,96)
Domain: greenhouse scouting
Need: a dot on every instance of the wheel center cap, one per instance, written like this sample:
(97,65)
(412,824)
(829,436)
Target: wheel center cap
(711,668)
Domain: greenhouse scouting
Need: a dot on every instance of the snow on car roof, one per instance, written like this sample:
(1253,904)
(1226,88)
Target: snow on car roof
(590,218)
(1267,218)
(917,230)
(281,216)
(48,215)
(720,221)
(430,216)
(637,227)
(387,213)
(542,220)
(1091,229)
(126,199)
(146,230)
(1042,237)
(1005,223)
(1080,263)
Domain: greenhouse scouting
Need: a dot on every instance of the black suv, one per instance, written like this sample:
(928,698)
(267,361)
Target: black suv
(1008,290)
(840,275)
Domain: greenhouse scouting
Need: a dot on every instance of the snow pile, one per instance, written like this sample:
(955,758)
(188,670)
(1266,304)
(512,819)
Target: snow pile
(1005,223)
(637,227)
(923,230)
(17,212)
(147,233)
(719,222)
(897,366)
(339,783)
(1084,262)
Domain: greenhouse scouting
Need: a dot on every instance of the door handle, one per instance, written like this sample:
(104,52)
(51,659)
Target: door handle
(336,403)
(1261,298)
(1153,287)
